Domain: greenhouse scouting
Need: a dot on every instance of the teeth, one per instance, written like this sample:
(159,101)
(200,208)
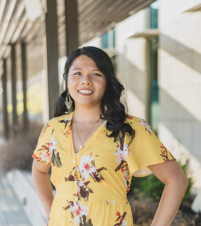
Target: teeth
(85,91)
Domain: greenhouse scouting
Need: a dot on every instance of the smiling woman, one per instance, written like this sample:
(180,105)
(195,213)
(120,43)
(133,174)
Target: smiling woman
(92,169)
(91,68)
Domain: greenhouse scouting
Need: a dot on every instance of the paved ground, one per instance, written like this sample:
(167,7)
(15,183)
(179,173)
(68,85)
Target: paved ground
(11,211)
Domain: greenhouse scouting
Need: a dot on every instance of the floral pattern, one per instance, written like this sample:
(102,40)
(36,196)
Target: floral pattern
(101,160)
(146,125)
(121,219)
(48,153)
(164,153)
(122,152)
(44,129)
(66,121)
(78,213)
(86,169)
(83,190)
(55,158)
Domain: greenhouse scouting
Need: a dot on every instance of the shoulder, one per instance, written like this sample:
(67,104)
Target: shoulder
(132,119)
(51,121)
(138,123)
(66,117)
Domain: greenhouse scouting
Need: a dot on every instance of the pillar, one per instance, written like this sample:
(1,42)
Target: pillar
(71,26)
(13,82)
(5,112)
(52,55)
(24,85)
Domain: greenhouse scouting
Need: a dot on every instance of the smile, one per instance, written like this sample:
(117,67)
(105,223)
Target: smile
(85,92)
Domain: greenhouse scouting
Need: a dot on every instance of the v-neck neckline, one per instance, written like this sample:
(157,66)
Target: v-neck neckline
(95,133)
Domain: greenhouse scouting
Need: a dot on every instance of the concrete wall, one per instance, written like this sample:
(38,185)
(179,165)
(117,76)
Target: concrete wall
(131,68)
(180,81)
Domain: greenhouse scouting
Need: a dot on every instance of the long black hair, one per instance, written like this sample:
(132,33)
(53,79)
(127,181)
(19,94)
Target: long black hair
(116,111)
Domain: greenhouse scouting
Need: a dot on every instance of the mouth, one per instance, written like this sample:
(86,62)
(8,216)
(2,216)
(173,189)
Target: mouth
(85,92)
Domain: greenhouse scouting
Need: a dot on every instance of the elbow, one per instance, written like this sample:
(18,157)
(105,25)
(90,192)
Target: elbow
(180,181)
(184,182)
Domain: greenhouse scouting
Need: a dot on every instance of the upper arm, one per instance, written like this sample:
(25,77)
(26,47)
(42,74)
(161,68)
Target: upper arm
(40,167)
(168,172)
(42,152)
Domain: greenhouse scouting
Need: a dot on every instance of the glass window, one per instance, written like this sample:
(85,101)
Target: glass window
(154,14)
(108,39)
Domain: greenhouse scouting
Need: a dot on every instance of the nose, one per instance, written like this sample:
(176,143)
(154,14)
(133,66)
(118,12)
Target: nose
(86,80)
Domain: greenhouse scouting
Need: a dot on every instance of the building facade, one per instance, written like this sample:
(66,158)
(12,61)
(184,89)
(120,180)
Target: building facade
(157,56)
(159,64)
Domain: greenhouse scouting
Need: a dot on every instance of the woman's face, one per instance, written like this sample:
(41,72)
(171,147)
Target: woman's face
(85,75)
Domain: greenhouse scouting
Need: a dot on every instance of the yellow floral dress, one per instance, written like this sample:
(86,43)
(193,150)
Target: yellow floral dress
(92,185)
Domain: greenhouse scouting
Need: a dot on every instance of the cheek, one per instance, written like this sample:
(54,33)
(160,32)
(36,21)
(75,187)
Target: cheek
(71,80)
(102,84)
(72,83)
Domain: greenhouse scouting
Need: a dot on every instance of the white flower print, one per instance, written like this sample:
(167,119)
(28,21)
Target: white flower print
(144,123)
(85,168)
(124,223)
(78,210)
(113,202)
(122,154)
(52,144)
(45,156)
(80,184)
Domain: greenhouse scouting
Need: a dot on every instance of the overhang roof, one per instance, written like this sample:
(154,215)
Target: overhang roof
(95,17)
(149,33)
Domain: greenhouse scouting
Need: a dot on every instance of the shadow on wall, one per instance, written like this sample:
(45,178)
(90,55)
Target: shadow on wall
(181,123)
(180,120)
(177,49)
(131,76)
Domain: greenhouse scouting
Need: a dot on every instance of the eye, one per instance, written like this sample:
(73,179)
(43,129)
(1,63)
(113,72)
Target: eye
(96,74)
(76,73)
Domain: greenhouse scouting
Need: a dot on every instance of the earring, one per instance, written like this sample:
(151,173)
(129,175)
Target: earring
(105,107)
(68,101)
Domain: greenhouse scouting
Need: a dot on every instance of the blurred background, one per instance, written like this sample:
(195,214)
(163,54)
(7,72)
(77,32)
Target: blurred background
(155,47)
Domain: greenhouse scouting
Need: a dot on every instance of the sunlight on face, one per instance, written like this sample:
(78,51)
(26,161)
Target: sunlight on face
(84,74)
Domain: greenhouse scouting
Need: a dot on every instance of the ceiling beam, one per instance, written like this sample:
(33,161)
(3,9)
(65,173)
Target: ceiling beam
(7,19)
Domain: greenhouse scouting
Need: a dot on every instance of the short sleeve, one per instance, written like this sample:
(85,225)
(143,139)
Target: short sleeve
(42,151)
(146,149)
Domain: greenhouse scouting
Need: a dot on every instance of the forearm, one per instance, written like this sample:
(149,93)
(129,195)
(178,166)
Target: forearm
(44,189)
(169,204)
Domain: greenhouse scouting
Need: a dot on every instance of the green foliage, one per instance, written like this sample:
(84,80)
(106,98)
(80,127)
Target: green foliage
(152,187)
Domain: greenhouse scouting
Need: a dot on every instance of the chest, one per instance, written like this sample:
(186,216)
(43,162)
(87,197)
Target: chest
(83,134)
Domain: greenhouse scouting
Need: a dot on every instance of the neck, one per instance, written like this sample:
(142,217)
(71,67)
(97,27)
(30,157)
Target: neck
(87,115)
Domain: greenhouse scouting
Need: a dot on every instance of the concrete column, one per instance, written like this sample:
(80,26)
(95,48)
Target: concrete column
(24,85)
(4,100)
(13,81)
(72,42)
(147,82)
(52,55)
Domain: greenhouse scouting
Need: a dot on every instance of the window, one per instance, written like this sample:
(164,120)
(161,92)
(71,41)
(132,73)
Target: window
(154,14)
(108,39)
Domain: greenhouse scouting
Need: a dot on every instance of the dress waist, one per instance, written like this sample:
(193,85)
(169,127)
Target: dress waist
(89,191)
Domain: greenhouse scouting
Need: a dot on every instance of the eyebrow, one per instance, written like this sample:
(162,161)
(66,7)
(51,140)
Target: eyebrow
(77,68)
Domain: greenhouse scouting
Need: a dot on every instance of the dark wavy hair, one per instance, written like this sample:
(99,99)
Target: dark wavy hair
(117,111)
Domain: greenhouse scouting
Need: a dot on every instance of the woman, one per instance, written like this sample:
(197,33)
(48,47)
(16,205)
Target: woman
(94,148)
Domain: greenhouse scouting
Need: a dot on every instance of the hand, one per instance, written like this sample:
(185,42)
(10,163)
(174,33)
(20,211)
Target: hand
(48,219)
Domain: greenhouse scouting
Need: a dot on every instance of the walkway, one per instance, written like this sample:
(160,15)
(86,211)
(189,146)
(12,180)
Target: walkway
(11,211)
